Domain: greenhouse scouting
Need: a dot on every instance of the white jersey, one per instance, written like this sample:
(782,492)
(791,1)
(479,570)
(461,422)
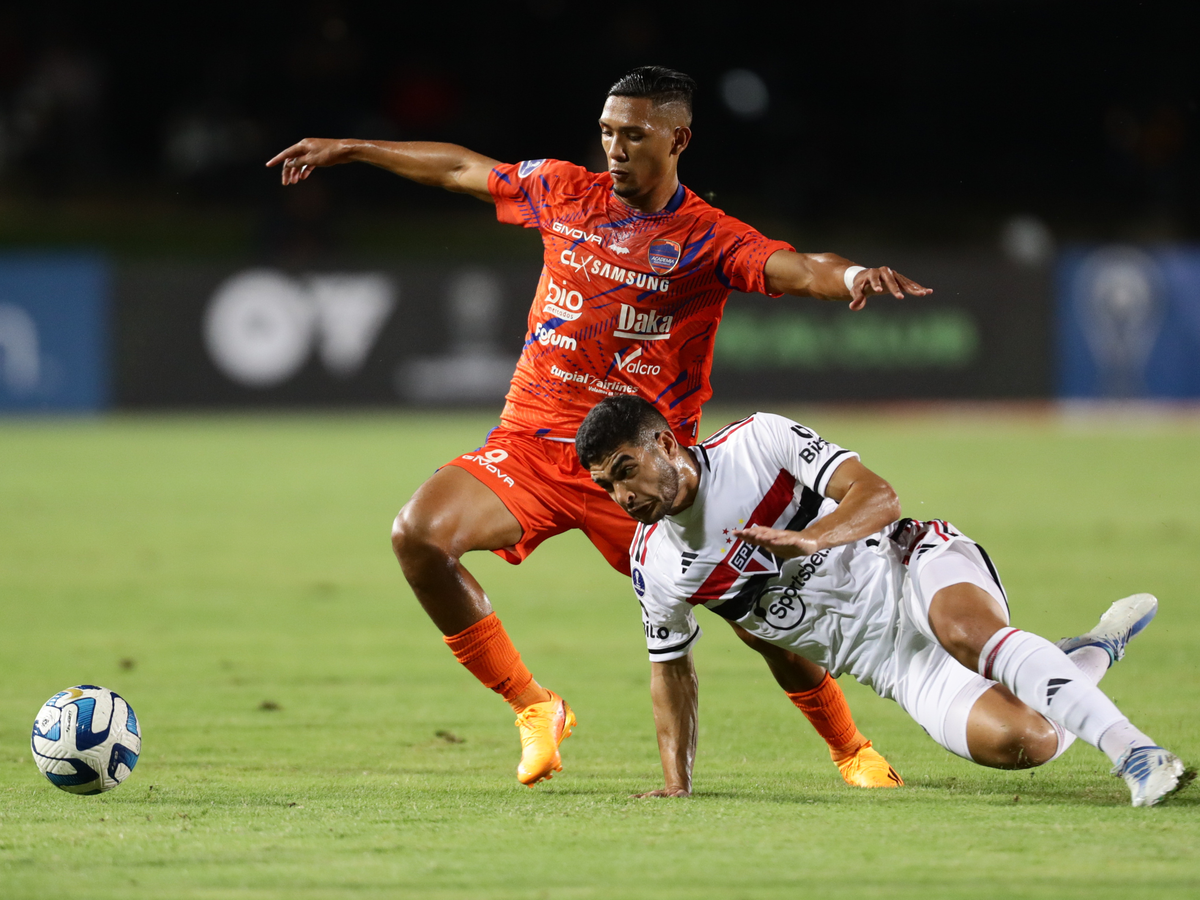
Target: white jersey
(838,607)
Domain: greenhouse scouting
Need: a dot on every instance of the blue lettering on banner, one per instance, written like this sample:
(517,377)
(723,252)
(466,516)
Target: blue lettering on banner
(53,333)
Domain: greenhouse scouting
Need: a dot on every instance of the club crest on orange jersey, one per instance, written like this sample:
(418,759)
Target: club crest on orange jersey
(663,256)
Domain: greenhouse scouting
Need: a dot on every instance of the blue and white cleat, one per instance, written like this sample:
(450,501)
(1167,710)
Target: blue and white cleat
(1152,773)
(1116,628)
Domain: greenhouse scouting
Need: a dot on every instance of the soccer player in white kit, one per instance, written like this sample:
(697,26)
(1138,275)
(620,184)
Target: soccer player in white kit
(796,541)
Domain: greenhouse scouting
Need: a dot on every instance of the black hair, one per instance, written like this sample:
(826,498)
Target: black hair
(614,422)
(660,84)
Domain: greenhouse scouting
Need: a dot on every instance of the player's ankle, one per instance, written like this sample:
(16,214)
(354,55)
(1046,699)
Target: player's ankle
(535,693)
(843,752)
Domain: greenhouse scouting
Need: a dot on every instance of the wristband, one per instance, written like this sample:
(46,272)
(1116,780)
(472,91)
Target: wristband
(850,274)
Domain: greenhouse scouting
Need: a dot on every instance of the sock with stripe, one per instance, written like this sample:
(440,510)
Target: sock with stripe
(1045,679)
(489,655)
(826,709)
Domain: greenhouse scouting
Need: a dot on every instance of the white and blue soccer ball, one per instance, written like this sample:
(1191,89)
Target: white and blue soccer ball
(86,739)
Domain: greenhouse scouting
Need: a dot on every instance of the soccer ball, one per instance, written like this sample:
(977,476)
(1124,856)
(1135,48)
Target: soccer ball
(86,739)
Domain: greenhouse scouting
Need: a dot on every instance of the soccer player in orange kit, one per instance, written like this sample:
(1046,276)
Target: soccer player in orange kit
(636,272)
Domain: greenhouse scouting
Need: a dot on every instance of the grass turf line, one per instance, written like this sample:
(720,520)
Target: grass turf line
(234,562)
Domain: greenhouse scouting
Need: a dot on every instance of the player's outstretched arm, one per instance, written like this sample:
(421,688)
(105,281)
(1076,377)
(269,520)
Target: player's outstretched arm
(823,275)
(446,166)
(675,692)
(866,504)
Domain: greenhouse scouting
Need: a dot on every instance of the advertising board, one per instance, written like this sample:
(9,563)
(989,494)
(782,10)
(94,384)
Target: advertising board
(53,333)
(1129,323)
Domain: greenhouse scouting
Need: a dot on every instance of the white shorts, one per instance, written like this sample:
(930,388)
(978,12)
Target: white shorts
(931,685)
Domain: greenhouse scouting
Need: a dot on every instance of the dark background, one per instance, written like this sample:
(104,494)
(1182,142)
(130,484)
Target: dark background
(966,143)
(143,129)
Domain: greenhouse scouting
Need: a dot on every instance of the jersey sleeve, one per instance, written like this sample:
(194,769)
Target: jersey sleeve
(670,628)
(803,452)
(745,257)
(524,192)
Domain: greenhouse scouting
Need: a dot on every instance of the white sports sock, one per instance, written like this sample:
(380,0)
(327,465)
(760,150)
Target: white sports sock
(1094,663)
(1044,678)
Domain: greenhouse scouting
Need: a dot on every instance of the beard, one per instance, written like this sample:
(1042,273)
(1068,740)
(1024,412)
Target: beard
(627,190)
(668,491)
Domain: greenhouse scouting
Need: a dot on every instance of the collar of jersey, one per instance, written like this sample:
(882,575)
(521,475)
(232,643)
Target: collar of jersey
(687,517)
(673,204)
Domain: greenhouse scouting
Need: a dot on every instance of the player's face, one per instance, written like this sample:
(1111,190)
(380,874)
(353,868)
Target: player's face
(642,480)
(641,142)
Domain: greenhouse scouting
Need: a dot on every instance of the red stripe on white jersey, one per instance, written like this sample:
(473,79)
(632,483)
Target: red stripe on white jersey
(768,511)
(723,435)
(646,543)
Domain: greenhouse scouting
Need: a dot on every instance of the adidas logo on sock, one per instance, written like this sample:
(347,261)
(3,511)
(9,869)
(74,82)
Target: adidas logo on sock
(1054,686)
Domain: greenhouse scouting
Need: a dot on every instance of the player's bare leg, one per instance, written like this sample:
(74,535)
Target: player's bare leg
(818,696)
(1004,733)
(451,514)
(1041,678)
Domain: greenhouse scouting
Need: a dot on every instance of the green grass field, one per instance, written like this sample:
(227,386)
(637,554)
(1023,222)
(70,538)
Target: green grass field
(307,734)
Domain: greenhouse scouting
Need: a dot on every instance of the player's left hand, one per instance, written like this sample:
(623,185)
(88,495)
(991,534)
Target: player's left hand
(883,280)
(784,544)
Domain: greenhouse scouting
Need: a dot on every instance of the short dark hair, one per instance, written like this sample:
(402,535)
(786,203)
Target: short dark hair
(660,84)
(613,422)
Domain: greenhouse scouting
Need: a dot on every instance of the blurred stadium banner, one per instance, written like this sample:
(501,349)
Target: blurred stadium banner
(1129,323)
(196,335)
(983,333)
(190,335)
(54,353)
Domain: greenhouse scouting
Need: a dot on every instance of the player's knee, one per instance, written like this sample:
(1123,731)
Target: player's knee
(1030,743)
(1040,742)
(415,535)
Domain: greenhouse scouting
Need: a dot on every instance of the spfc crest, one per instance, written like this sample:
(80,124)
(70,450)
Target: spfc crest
(663,256)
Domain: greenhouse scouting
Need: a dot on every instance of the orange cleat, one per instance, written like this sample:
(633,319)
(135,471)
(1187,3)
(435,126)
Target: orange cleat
(868,769)
(543,727)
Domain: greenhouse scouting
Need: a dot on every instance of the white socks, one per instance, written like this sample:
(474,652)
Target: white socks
(1046,679)
(1093,662)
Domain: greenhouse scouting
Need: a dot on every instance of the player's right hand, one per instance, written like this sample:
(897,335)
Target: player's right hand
(298,161)
(779,541)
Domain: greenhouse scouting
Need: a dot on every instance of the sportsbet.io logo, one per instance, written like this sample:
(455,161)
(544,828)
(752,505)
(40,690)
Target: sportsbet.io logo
(785,611)
(639,583)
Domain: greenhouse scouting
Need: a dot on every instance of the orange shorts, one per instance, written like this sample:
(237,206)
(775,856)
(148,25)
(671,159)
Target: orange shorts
(543,485)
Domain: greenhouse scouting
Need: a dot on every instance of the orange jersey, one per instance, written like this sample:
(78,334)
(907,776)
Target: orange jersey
(627,303)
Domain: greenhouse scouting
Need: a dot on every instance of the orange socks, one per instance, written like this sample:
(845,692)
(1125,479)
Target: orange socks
(490,656)
(826,708)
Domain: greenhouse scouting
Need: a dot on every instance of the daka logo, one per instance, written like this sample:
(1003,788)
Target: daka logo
(528,167)
(642,326)
(663,256)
